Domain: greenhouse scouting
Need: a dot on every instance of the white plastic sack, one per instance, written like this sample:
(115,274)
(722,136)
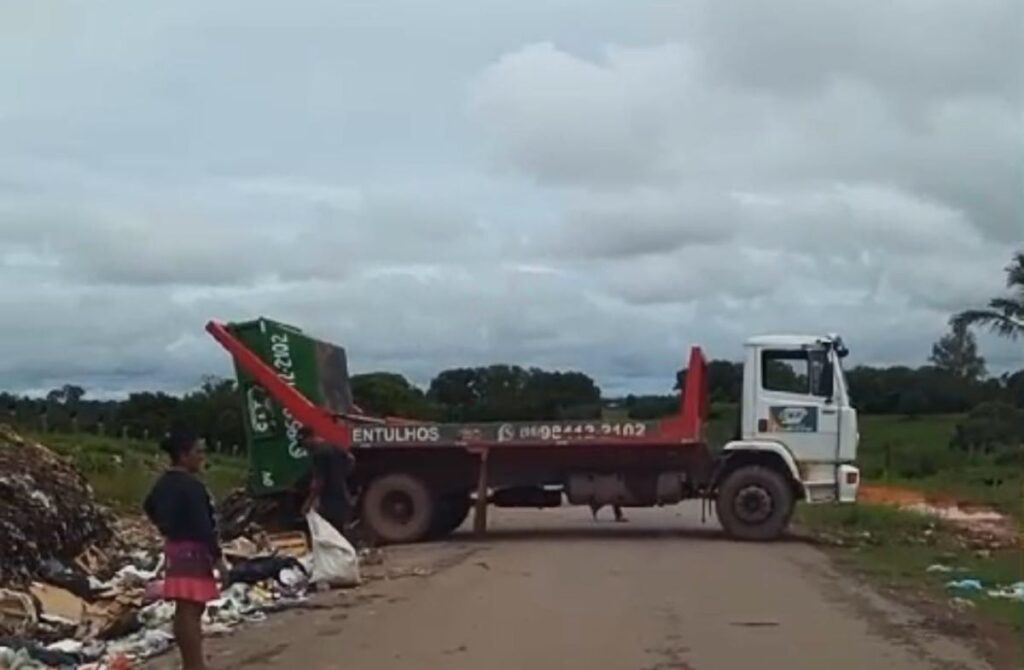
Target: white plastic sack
(334,559)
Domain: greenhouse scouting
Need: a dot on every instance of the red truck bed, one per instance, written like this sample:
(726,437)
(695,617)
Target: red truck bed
(347,431)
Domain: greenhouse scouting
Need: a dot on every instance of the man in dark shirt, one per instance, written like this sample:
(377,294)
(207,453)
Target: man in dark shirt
(328,490)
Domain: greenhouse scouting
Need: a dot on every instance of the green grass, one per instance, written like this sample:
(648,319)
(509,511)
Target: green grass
(903,447)
(895,547)
(915,452)
(121,472)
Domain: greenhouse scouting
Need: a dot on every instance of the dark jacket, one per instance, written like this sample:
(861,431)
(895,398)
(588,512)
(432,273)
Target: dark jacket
(180,507)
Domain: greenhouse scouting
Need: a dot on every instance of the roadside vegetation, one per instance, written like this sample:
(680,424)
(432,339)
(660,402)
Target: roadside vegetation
(923,453)
(895,548)
(122,471)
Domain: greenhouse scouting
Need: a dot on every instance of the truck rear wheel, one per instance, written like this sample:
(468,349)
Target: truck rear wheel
(450,513)
(754,503)
(398,508)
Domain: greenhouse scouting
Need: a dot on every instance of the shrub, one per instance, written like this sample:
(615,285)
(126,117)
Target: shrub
(991,427)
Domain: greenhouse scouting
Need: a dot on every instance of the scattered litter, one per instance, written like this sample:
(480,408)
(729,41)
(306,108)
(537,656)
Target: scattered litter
(92,560)
(980,527)
(138,539)
(71,579)
(142,645)
(1012,592)
(241,514)
(216,629)
(262,568)
(240,548)
(961,604)
(293,578)
(58,602)
(40,655)
(116,619)
(154,591)
(66,647)
(119,662)
(289,544)
(18,660)
(965,585)
(132,577)
(938,567)
(18,612)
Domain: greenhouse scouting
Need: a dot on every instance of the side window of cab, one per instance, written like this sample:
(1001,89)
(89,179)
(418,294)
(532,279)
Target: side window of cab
(797,371)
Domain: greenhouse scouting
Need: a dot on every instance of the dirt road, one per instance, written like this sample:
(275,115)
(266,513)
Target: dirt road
(554,590)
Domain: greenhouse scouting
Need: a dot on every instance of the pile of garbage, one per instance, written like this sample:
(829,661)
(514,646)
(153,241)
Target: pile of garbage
(241,515)
(48,510)
(68,618)
(79,587)
(119,621)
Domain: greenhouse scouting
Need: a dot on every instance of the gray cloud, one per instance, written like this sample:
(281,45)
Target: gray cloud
(914,51)
(565,184)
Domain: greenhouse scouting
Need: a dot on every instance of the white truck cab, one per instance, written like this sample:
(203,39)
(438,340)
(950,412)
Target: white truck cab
(797,422)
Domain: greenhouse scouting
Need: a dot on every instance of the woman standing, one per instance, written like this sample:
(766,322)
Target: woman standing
(180,507)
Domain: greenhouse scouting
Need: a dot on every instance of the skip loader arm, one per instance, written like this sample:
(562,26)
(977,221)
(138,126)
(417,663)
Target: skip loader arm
(324,424)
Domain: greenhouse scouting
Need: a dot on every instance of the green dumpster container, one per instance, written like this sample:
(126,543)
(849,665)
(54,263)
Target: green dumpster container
(318,370)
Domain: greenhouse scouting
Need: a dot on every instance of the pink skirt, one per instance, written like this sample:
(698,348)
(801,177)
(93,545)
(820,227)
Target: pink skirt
(189,572)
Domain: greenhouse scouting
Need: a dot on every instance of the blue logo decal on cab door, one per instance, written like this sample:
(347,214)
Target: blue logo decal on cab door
(792,419)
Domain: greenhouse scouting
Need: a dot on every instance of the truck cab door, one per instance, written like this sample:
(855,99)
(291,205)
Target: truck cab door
(795,407)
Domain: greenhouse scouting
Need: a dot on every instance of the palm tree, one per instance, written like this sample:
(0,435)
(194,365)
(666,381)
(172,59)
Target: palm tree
(1004,316)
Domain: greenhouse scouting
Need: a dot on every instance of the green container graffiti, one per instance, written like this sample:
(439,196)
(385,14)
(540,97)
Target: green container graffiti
(318,370)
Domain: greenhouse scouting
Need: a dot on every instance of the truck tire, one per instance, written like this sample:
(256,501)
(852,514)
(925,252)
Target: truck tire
(450,513)
(398,508)
(754,503)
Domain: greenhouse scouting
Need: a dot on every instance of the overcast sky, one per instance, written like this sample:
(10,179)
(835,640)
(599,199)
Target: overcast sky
(590,184)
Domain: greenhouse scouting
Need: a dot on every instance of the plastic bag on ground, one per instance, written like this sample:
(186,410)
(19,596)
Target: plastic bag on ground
(334,559)
(66,647)
(18,660)
(144,644)
(293,578)
(262,568)
(1011,592)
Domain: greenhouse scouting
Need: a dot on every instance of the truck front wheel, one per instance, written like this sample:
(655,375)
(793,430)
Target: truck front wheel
(754,503)
(398,508)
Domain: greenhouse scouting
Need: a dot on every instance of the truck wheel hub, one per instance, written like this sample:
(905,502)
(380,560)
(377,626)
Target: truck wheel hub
(397,506)
(753,504)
